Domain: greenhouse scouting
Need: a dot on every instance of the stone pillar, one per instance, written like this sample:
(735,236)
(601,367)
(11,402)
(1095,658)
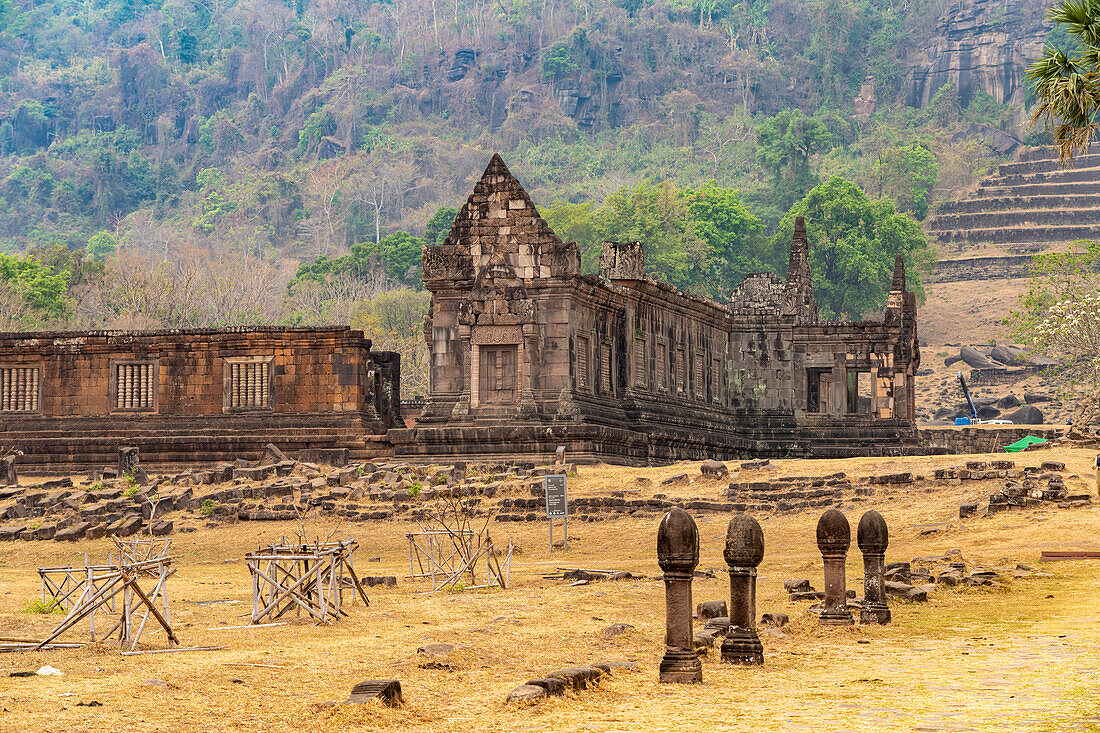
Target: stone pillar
(834,537)
(475,376)
(744,551)
(7,471)
(872,538)
(678,554)
(127,461)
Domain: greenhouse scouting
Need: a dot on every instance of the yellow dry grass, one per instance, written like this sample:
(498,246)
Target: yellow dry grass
(1022,658)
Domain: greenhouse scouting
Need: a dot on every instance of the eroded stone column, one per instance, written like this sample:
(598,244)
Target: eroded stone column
(127,461)
(8,475)
(834,537)
(678,554)
(872,538)
(744,551)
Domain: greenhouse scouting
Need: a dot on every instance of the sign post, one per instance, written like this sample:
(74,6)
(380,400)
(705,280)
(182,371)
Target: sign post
(557,507)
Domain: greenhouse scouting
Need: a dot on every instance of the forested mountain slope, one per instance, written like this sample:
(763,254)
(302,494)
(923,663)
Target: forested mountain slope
(176,162)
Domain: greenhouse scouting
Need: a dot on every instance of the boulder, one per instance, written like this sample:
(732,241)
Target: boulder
(1007,355)
(906,591)
(617,629)
(1026,415)
(526,693)
(1032,398)
(711,609)
(778,620)
(1008,401)
(434,651)
(952,360)
(714,469)
(988,412)
(797,585)
(577,677)
(966,510)
(975,358)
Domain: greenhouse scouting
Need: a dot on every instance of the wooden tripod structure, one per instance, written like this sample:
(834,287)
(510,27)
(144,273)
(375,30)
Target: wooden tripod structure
(308,578)
(447,557)
(64,586)
(100,588)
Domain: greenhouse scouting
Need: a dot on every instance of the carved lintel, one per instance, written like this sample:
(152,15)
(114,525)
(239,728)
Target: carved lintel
(497,335)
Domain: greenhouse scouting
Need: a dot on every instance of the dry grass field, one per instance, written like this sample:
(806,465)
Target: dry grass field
(1020,658)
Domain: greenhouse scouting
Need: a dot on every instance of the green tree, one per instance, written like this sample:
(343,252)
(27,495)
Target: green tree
(732,234)
(853,242)
(439,226)
(785,143)
(657,215)
(399,252)
(102,244)
(188,51)
(44,291)
(558,61)
(1066,82)
(908,175)
(576,223)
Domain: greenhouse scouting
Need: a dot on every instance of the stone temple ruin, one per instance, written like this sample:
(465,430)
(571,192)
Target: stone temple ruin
(528,354)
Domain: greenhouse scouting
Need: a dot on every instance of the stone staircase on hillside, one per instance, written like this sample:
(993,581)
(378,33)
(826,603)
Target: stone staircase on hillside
(1029,205)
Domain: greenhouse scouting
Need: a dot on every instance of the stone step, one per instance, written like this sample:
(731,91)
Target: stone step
(1045,152)
(1068,203)
(1048,165)
(1040,189)
(1072,175)
(1012,218)
(1009,235)
(980,268)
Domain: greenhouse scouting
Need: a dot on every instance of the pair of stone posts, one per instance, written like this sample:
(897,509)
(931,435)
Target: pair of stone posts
(678,555)
(834,537)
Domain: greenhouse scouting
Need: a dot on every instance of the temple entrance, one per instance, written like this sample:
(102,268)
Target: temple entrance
(498,375)
(817,393)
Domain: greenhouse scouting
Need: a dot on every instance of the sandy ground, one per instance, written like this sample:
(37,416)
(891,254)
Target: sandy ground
(968,312)
(1019,658)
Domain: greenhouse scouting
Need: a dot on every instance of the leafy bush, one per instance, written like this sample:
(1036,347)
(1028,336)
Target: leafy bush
(52,606)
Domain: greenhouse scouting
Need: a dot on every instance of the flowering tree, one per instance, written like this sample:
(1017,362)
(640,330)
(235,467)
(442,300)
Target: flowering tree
(1060,318)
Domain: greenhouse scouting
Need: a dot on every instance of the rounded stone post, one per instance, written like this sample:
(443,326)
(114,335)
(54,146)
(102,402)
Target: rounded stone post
(834,537)
(678,554)
(872,538)
(744,551)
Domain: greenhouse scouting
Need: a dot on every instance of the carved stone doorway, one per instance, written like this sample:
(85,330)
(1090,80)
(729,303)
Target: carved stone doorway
(497,375)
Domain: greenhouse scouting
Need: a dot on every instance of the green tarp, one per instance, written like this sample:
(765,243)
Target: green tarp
(1023,443)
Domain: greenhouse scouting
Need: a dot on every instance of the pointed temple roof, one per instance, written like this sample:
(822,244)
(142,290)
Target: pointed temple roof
(499,234)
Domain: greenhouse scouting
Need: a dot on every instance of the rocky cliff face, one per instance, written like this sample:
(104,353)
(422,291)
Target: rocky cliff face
(980,45)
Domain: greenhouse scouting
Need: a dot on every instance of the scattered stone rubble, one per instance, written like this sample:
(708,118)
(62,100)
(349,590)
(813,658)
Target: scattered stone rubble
(279,488)
(916,579)
(1030,486)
